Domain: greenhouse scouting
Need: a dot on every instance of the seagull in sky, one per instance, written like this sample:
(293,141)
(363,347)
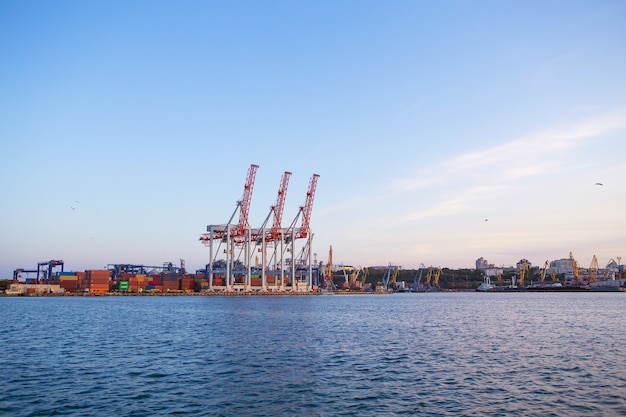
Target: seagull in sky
(598,183)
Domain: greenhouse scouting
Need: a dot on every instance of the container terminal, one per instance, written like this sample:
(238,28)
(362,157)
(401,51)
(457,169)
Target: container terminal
(270,258)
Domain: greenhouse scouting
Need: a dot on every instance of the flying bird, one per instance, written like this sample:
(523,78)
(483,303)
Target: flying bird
(598,183)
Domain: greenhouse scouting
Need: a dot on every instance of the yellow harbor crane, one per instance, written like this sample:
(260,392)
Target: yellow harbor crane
(429,276)
(436,277)
(522,273)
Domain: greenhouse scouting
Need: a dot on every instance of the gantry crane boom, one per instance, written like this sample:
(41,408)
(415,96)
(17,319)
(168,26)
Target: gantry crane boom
(280,205)
(307,208)
(244,207)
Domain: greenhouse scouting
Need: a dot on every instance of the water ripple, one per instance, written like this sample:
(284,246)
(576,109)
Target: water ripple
(405,354)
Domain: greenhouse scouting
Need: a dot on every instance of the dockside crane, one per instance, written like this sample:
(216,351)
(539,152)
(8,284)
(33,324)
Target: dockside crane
(44,270)
(394,276)
(262,236)
(303,232)
(242,238)
(436,277)
(523,268)
(575,267)
(418,277)
(230,234)
(354,276)
(389,278)
(429,275)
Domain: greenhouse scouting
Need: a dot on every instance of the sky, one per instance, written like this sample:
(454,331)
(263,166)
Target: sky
(441,131)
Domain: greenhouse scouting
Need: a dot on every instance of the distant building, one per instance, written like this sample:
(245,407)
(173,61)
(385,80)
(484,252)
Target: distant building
(19,288)
(562,266)
(481,264)
(522,263)
(493,271)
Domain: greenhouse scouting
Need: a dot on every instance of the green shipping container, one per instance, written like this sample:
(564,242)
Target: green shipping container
(122,285)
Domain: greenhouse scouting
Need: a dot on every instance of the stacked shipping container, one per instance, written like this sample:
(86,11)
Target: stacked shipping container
(170,281)
(187,283)
(68,281)
(98,281)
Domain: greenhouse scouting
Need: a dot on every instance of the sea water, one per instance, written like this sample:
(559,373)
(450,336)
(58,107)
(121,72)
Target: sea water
(428,354)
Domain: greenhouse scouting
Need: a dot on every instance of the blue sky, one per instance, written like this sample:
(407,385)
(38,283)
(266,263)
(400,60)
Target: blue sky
(441,131)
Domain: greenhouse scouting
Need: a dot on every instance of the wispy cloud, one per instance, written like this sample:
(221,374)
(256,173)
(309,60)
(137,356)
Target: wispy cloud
(510,160)
(489,174)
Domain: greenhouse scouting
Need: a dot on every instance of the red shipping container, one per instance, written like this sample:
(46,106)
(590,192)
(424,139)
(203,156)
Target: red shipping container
(69,286)
(170,285)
